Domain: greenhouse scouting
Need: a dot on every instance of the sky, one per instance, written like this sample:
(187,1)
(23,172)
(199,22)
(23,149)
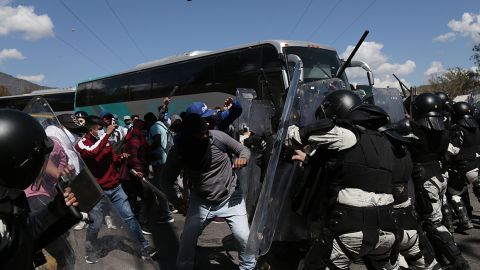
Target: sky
(59,43)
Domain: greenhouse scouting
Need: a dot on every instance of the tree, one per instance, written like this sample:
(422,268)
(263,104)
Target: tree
(476,55)
(455,81)
(4,91)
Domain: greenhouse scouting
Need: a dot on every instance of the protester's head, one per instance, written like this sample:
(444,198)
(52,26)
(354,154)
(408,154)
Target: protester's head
(24,149)
(106,117)
(150,119)
(194,140)
(176,123)
(194,127)
(139,124)
(94,124)
(127,120)
(135,117)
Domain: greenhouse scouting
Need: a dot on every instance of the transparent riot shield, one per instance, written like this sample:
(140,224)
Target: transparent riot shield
(300,105)
(389,99)
(108,248)
(474,101)
(254,131)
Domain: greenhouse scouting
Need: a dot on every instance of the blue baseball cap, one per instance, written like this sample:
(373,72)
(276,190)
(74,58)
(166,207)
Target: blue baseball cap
(200,108)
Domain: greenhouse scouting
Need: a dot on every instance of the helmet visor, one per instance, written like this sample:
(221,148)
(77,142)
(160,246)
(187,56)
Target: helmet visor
(432,123)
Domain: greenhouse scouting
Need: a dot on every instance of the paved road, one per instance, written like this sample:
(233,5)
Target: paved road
(213,252)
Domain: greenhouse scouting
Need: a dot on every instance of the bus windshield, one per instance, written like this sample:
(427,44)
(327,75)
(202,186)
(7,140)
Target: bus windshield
(318,64)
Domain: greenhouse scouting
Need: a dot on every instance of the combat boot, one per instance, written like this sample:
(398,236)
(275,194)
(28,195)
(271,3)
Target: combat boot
(464,221)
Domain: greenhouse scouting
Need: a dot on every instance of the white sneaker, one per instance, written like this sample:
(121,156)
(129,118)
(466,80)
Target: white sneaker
(108,221)
(80,225)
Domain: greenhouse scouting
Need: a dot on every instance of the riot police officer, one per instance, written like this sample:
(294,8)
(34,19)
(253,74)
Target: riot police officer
(353,163)
(413,245)
(24,152)
(429,177)
(465,140)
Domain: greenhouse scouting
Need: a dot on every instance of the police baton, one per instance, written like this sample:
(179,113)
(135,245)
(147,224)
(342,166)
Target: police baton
(155,190)
(74,211)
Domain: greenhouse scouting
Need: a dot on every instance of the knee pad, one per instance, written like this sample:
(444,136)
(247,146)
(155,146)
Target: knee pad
(443,241)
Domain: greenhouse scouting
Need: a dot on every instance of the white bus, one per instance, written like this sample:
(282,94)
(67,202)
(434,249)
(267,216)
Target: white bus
(207,76)
(61,100)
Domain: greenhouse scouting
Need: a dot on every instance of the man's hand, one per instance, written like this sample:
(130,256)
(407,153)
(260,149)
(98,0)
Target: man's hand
(299,156)
(124,155)
(228,102)
(69,196)
(110,129)
(166,101)
(239,163)
(139,175)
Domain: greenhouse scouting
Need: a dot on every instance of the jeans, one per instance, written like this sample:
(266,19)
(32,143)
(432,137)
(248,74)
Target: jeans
(199,215)
(119,201)
(60,248)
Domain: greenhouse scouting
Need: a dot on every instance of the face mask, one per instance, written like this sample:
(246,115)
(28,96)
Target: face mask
(97,133)
(100,133)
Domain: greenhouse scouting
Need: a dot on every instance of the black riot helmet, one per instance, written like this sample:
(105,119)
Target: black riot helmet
(81,117)
(428,111)
(337,104)
(399,132)
(444,97)
(81,114)
(24,149)
(462,114)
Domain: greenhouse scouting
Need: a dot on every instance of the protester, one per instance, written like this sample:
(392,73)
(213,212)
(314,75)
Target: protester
(119,133)
(42,194)
(136,147)
(158,139)
(127,120)
(100,158)
(203,155)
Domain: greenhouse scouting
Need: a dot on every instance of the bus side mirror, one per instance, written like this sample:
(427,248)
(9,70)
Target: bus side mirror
(371,81)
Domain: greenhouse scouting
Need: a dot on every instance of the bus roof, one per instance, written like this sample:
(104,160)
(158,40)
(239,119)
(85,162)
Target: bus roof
(41,93)
(278,44)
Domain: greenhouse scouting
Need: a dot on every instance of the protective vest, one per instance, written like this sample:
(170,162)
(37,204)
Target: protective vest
(470,146)
(431,145)
(368,165)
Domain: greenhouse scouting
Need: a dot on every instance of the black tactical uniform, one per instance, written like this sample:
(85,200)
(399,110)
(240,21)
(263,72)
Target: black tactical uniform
(414,246)
(24,151)
(429,177)
(356,179)
(465,140)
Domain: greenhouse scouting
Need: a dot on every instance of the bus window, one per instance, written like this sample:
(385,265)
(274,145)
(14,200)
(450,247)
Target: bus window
(164,79)
(141,85)
(237,70)
(318,64)
(196,76)
(82,94)
(272,67)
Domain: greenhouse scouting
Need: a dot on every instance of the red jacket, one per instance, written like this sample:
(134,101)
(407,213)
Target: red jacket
(137,147)
(100,159)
